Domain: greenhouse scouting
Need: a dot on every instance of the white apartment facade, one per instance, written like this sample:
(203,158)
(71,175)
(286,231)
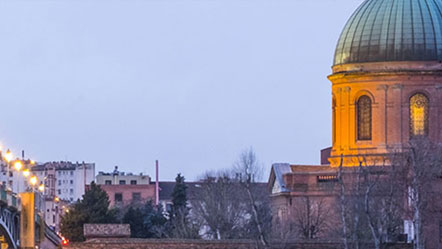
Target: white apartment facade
(65,182)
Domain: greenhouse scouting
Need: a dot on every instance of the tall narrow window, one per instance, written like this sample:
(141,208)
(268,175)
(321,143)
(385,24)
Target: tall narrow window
(418,115)
(334,120)
(364,118)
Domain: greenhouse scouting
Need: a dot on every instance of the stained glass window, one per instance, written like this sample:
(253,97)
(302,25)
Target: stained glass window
(364,118)
(419,115)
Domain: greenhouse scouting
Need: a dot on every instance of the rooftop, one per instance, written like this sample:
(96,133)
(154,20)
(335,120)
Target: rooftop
(392,30)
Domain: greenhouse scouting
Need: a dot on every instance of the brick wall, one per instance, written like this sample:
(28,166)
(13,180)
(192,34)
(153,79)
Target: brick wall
(160,244)
(202,244)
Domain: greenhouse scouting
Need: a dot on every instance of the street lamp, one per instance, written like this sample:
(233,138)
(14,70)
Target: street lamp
(8,158)
(33,181)
(8,155)
(18,165)
(41,188)
(26,173)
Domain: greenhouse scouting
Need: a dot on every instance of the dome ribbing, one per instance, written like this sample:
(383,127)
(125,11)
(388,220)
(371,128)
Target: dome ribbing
(392,30)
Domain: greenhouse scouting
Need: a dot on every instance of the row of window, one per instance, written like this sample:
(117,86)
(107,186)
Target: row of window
(65,181)
(62,172)
(419,108)
(121,182)
(71,191)
(136,196)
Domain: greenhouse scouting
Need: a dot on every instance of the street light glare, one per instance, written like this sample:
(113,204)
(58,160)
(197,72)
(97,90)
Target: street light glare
(18,165)
(33,180)
(41,188)
(8,156)
(26,172)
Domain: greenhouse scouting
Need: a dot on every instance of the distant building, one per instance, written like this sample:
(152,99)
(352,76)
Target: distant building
(126,188)
(66,180)
(166,190)
(65,183)
(386,90)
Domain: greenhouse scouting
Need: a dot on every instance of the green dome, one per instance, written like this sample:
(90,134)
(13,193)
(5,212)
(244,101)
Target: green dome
(392,30)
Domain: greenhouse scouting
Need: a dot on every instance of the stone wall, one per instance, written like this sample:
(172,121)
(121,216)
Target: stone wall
(106,231)
(160,244)
(125,243)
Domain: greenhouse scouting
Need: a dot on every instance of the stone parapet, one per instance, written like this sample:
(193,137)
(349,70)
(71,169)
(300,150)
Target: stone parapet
(92,231)
(206,244)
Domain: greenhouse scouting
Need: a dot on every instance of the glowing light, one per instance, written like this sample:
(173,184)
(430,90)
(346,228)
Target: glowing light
(41,188)
(18,165)
(26,172)
(32,162)
(56,199)
(33,180)
(8,156)
(64,242)
(67,210)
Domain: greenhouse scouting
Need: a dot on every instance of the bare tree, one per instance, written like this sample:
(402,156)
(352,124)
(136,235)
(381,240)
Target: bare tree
(311,216)
(383,202)
(421,164)
(220,206)
(248,170)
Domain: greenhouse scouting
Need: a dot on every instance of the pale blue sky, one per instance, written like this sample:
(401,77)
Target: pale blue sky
(189,82)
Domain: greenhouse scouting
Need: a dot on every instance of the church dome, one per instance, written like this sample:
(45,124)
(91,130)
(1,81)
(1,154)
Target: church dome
(392,30)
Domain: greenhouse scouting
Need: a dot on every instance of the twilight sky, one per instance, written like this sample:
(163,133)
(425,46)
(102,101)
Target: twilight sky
(189,82)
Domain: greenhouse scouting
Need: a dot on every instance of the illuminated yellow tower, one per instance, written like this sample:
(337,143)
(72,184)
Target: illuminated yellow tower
(387,79)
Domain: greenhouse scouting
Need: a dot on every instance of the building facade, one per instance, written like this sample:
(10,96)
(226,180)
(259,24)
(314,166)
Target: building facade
(386,80)
(386,89)
(126,188)
(65,183)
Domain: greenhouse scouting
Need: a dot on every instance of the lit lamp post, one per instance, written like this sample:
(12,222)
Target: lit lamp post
(26,174)
(8,158)
(33,181)
(18,165)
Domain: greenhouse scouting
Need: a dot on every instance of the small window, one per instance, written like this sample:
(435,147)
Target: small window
(71,191)
(72,173)
(133,182)
(364,118)
(118,197)
(72,181)
(327,178)
(418,115)
(136,196)
(59,182)
(108,182)
(122,182)
(59,191)
(334,121)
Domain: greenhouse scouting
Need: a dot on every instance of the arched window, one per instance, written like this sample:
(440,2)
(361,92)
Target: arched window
(334,121)
(419,115)
(364,118)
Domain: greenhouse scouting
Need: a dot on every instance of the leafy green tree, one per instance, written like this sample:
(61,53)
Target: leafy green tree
(154,221)
(179,225)
(134,217)
(179,195)
(93,208)
(146,222)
